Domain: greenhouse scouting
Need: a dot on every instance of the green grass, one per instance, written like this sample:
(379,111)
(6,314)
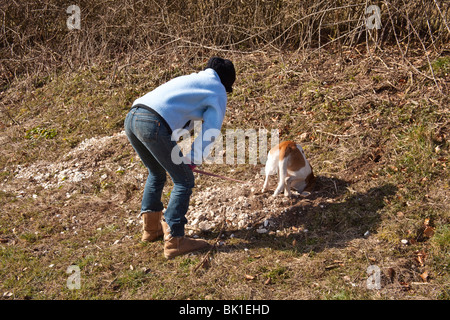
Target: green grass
(441,65)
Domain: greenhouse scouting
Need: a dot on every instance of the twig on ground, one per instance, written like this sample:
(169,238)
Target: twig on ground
(206,256)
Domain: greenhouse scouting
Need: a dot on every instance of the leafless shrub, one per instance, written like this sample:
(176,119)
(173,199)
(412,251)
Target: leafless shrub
(35,38)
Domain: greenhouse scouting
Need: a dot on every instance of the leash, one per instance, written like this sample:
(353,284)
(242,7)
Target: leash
(217,176)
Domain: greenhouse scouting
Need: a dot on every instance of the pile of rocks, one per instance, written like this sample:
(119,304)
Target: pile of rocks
(239,210)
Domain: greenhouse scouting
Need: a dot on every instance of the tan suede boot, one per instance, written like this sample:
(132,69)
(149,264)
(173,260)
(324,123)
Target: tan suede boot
(165,227)
(176,246)
(152,226)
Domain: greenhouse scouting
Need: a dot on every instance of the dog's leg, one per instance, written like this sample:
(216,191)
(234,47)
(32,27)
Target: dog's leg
(270,168)
(266,182)
(268,171)
(279,188)
(291,182)
(282,176)
(287,186)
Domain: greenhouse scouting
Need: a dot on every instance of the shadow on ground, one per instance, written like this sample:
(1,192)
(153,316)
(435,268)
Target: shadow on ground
(329,217)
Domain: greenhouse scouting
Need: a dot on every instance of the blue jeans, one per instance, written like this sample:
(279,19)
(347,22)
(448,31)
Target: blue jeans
(152,141)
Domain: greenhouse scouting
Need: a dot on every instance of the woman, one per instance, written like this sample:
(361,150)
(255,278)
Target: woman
(149,126)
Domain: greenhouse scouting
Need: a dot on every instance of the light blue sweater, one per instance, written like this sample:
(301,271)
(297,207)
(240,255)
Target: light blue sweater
(198,96)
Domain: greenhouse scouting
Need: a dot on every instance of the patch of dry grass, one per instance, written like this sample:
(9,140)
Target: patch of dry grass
(376,134)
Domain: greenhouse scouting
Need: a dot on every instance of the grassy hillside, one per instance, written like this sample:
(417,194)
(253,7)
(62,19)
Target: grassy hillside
(373,118)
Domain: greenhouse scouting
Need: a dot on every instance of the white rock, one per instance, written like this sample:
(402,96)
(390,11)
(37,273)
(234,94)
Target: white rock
(204,225)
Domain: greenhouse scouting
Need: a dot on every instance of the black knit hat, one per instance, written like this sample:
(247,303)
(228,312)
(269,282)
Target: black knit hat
(225,70)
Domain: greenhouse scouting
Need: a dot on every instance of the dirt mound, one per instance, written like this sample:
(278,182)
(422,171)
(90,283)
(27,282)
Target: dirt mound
(244,207)
(77,165)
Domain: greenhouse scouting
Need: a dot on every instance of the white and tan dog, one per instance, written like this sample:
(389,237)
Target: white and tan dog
(293,169)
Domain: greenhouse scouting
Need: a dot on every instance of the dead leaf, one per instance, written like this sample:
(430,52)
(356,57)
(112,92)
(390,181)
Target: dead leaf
(424,276)
(268,281)
(421,256)
(428,232)
(249,277)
